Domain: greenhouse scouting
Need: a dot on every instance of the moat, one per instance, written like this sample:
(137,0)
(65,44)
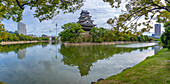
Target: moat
(44,63)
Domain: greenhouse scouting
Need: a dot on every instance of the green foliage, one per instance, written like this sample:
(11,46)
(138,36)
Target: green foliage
(44,38)
(109,36)
(165,37)
(16,37)
(144,38)
(98,34)
(136,9)
(3,34)
(71,32)
(44,9)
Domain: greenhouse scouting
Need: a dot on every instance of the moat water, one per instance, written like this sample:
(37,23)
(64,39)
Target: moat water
(44,63)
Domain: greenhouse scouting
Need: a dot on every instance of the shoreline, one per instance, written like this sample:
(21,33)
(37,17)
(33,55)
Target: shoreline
(104,43)
(20,42)
(154,69)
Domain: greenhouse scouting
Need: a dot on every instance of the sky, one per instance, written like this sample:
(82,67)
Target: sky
(99,11)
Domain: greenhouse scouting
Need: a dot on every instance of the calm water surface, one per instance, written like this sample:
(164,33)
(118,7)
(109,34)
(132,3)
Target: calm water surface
(58,64)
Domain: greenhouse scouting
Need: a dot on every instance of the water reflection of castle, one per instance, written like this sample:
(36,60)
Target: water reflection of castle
(21,53)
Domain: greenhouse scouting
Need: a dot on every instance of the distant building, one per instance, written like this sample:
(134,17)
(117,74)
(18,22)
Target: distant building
(85,20)
(153,35)
(157,31)
(52,38)
(21,28)
(32,35)
(44,36)
(10,32)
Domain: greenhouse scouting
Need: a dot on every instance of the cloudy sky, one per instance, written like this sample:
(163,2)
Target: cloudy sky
(99,11)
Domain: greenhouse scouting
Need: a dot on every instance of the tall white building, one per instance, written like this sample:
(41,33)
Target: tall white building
(157,31)
(21,28)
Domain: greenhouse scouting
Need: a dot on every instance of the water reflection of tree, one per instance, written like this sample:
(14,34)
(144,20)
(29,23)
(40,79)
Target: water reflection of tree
(84,56)
(20,49)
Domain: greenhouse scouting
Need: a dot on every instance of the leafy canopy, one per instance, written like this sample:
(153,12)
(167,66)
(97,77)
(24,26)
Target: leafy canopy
(165,37)
(71,32)
(44,9)
(136,9)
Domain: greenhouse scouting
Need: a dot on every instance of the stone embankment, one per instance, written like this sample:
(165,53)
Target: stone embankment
(19,42)
(104,43)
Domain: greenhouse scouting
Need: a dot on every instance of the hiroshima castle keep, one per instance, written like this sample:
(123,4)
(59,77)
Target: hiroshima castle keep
(85,21)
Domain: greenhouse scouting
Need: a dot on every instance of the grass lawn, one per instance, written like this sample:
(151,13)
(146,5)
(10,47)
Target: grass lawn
(153,70)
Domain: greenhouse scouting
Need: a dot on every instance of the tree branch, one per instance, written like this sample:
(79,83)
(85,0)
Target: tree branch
(136,12)
(19,4)
(167,1)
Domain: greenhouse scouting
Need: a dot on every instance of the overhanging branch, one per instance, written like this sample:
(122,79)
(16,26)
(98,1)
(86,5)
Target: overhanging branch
(19,4)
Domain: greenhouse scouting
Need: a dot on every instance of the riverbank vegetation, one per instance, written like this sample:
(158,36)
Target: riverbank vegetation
(165,37)
(20,37)
(17,47)
(73,33)
(153,70)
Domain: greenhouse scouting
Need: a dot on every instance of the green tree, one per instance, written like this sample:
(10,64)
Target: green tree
(9,37)
(3,34)
(165,37)
(44,9)
(136,9)
(15,38)
(109,36)
(98,33)
(71,32)
(44,38)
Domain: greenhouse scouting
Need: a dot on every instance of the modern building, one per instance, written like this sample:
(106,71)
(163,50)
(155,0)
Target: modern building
(85,20)
(153,35)
(157,31)
(11,32)
(21,28)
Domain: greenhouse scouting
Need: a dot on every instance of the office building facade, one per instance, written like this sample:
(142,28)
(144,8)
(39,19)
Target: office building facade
(157,31)
(21,28)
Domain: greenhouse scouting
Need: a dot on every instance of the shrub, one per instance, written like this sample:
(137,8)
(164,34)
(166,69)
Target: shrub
(165,37)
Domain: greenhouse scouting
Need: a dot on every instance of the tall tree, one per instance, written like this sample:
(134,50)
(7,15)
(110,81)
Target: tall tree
(44,9)
(136,9)
(3,34)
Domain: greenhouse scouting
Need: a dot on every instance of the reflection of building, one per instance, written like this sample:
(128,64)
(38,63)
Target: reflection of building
(85,21)
(156,49)
(21,53)
(21,28)
(157,31)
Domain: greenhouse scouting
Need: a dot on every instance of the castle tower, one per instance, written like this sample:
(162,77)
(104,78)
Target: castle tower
(85,21)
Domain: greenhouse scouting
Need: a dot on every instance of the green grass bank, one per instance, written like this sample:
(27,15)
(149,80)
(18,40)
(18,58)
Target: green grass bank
(153,70)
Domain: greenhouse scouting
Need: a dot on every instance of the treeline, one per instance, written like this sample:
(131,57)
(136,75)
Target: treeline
(165,37)
(20,37)
(72,33)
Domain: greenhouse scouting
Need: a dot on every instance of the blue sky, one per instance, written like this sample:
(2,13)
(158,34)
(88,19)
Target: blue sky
(99,11)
